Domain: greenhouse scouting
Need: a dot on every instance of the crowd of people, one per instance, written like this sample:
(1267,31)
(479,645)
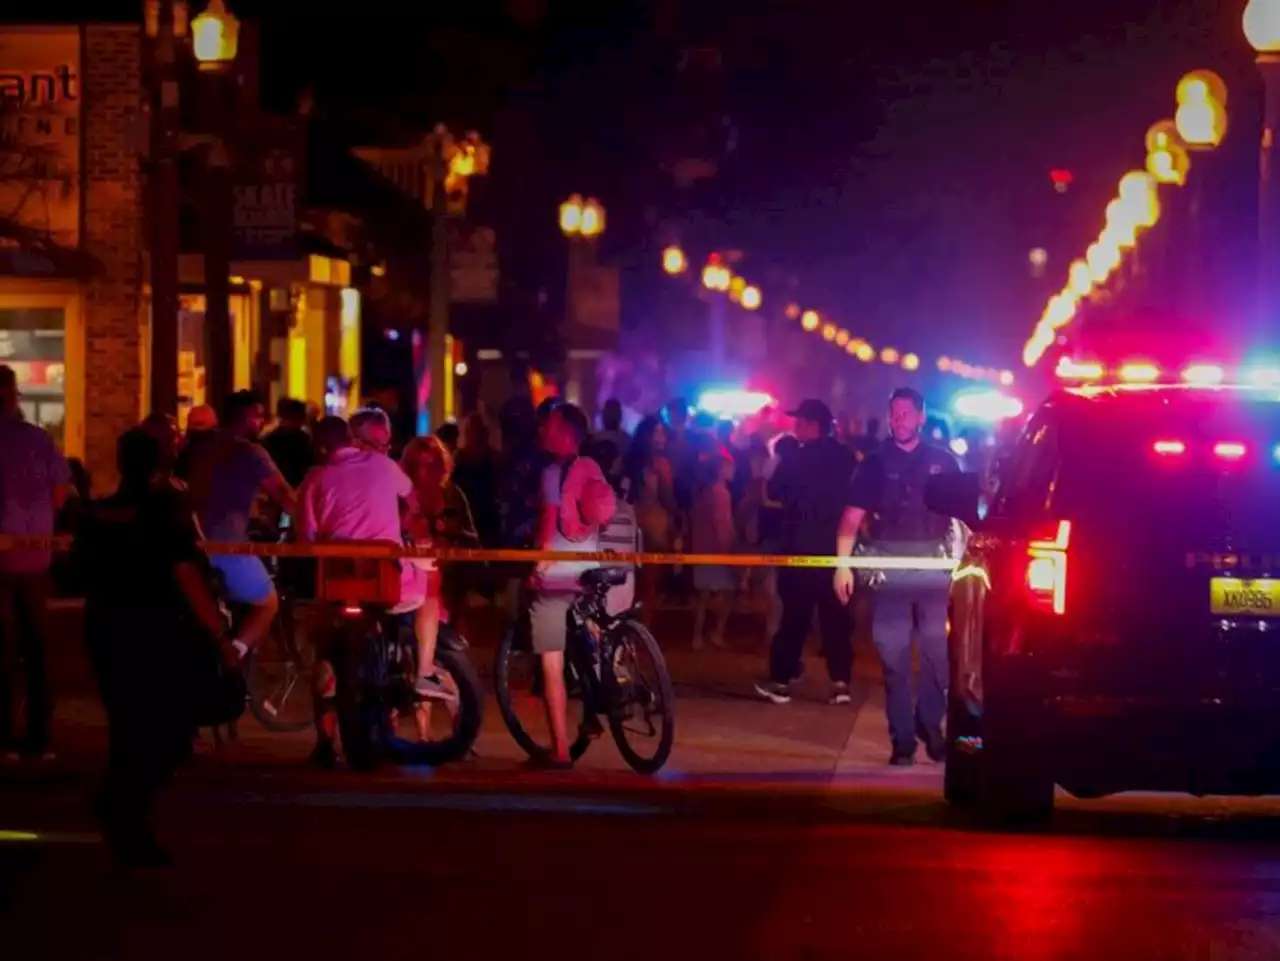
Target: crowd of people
(685,483)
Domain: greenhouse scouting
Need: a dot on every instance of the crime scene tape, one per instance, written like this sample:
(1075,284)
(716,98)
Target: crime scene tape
(383,550)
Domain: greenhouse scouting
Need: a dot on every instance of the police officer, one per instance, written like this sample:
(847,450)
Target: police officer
(811,484)
(888,491)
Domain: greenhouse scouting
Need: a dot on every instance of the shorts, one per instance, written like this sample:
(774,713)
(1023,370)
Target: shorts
(549,621)
(244,578)
(713,577)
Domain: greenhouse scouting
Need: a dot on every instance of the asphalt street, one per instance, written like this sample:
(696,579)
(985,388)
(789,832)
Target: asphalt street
(400,867)
(775,832)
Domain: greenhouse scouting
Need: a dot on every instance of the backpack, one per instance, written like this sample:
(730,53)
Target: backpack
(622,535)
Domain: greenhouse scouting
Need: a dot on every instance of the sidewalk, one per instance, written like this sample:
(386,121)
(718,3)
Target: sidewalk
(724,732)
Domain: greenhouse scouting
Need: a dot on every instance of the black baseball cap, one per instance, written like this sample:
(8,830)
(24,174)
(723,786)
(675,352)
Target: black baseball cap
(814,411)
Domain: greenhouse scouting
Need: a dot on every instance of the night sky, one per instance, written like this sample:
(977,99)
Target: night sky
(893,158)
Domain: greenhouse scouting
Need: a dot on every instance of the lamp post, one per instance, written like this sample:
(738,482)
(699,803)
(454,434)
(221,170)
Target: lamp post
(716,280)
(215,37)
(1201,123)
(582,221)
(163,27)
(214,41)
(1262,29)
(452,164)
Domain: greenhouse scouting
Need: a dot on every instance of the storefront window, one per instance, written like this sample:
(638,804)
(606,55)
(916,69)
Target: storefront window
(191,359)
(33,343)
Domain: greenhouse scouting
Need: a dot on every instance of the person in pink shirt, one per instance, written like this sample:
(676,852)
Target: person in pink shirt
(359,494)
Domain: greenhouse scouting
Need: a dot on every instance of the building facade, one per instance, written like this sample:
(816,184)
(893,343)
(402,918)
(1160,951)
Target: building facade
(74,301)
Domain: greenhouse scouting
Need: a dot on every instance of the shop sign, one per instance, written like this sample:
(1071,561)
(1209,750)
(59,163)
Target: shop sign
(595,297)
(473,264)
(266,202)
(40,100)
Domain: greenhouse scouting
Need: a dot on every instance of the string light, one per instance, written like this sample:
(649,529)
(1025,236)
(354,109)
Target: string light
(718,279)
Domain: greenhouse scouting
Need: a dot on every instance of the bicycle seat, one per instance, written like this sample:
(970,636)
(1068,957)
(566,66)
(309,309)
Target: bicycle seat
(600,578)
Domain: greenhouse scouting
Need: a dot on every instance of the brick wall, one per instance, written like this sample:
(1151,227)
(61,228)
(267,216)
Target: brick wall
(112,120)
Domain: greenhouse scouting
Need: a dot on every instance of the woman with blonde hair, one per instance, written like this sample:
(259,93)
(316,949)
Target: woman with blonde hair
(443,518)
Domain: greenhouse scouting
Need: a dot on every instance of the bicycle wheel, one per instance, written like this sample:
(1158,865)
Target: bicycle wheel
(433,734)
(638,698)
(278,673)
(517,681)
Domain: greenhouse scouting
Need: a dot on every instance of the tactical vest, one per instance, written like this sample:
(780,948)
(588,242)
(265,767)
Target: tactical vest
(903,518)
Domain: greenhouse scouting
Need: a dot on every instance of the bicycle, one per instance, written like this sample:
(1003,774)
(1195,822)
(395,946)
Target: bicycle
(380,718)
(601,670)
(278,671)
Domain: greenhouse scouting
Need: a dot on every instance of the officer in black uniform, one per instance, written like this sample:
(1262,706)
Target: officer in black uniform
(888,491)
(810,484)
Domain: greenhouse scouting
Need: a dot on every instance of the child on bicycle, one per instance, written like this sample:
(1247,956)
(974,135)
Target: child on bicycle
(576,502)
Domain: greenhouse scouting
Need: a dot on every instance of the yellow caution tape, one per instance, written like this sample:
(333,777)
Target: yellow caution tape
(381,549)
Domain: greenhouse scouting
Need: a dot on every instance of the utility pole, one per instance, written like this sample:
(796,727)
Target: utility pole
(164,195)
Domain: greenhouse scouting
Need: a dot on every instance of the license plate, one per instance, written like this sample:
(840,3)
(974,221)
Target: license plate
(1232,596)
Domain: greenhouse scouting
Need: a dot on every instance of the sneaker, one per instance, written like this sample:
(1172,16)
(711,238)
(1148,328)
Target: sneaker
(840,694)
(935,746)
(431,688)
(902,758)
(324,756)
(773,691)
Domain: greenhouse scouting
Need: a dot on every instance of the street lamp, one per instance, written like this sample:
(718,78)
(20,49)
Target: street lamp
(716,277)
(215,36)
(1167,157)
(751,297)
(1201,119)
(673,261)
(1262,29)
(582,218)
(809,320)
(910,362)
(571,216)
(592,219)
(889,356)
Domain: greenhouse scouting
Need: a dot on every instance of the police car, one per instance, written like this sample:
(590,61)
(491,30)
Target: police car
(1115,621)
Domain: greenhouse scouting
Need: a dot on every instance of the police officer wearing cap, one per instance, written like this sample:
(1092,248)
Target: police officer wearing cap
(810,484)
(888,492)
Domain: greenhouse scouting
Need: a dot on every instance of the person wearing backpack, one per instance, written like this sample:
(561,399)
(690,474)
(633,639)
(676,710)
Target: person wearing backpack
(576,503)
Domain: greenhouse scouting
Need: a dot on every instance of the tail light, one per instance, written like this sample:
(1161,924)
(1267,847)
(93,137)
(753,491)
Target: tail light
(1169,448)
(352,610)
(1047,570)
(1229,450)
